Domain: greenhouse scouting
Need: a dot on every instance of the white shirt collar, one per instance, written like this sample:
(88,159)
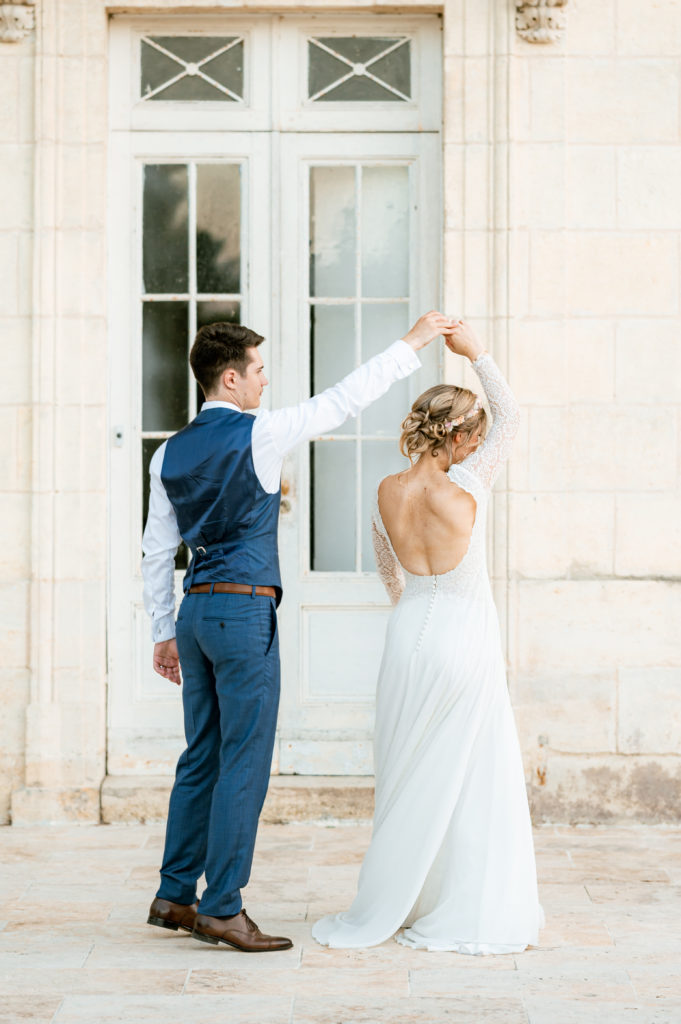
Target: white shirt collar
(223,405)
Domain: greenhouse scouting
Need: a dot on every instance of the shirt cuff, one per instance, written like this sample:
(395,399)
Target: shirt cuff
(163,628)
(404,356)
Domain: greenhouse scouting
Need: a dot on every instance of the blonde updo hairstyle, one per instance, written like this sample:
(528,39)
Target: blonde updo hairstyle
(424,430)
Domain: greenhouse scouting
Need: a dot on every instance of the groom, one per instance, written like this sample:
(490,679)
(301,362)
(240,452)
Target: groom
(216,485)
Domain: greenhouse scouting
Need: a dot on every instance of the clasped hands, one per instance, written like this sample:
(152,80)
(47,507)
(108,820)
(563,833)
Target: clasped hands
(459,336)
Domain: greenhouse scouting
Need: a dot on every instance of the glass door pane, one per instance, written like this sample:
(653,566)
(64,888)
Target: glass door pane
(192,257)
(165,220)
(359,293)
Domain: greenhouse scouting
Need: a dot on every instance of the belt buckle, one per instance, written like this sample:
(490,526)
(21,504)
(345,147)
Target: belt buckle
(200,550)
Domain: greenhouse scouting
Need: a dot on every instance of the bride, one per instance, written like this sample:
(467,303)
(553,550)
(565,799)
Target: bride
(451,858)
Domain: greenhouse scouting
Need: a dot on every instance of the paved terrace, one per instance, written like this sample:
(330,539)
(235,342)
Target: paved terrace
(75,949)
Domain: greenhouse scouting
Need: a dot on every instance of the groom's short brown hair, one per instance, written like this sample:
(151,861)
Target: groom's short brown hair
(218,347)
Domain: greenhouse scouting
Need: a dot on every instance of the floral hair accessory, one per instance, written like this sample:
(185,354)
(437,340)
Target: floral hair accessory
(477,406)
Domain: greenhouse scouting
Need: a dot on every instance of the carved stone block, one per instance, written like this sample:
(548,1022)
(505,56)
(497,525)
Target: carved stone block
(16,20)
(540,21)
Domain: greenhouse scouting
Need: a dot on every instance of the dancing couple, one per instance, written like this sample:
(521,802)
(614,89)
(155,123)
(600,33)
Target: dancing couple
(451,864)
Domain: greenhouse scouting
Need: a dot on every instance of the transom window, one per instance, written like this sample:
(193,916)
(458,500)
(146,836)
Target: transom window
(192,68)
(359,69)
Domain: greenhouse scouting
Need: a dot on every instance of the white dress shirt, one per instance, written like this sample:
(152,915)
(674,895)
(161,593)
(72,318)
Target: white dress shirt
(274,435)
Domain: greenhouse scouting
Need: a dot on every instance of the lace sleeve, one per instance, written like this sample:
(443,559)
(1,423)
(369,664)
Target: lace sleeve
(487,461)
(389,569)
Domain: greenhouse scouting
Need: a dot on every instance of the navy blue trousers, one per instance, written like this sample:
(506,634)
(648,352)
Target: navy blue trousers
(229,655)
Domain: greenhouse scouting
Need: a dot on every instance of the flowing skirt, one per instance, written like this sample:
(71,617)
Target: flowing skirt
(451,857)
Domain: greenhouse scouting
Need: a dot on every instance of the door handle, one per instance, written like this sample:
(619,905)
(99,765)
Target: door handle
(285,504)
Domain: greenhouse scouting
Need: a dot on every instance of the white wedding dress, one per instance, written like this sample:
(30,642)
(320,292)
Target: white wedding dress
(451,857)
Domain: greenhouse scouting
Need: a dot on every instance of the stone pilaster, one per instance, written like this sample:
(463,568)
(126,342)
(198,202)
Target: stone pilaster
(16,227)
(65,719)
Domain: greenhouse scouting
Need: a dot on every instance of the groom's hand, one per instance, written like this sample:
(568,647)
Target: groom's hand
(167,661)
(427,327)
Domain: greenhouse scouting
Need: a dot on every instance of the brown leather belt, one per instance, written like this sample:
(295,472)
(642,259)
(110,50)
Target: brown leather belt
(232,588)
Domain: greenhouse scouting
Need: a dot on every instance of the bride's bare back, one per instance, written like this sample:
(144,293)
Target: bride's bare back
(428,518)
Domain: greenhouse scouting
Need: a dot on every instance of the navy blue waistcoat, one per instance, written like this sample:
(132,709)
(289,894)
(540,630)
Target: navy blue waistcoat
(223,513)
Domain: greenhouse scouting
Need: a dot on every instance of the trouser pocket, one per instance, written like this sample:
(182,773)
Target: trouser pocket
(272,637)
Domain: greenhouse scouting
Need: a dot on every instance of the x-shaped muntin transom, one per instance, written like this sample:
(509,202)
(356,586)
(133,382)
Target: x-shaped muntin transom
(357,70)
(192,68)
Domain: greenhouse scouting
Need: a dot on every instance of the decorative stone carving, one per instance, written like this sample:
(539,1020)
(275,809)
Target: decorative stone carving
(16,20)
(540,21)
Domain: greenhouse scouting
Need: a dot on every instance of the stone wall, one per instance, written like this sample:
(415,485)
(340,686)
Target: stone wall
(562,228)
(594,524)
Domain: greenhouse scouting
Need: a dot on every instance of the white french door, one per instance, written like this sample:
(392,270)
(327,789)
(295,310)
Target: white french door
(197,209)
(364,213)
(324,239)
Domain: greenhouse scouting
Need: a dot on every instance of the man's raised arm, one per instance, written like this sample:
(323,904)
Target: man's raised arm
(324,412)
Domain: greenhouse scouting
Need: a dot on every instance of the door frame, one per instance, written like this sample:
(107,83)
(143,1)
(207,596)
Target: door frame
(152,743)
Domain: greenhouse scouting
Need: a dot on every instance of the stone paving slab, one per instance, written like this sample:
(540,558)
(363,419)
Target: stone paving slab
(75,948)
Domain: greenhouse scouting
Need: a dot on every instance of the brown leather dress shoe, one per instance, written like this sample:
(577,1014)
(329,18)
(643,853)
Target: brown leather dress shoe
(238,931)
(172,915)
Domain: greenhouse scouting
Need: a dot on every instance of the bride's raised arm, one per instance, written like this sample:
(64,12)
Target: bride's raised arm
(486,461)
